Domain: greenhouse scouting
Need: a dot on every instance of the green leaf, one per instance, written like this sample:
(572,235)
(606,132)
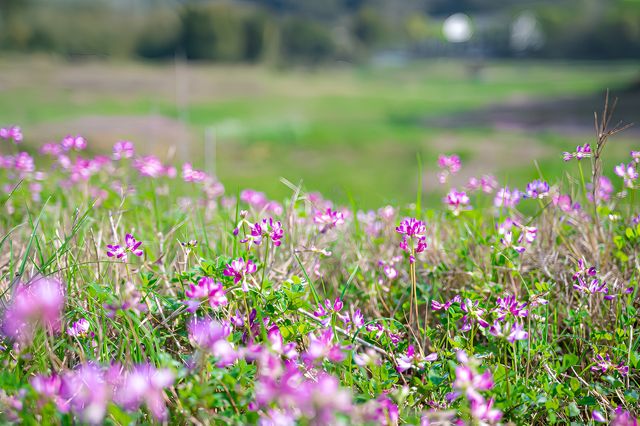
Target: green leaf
(572,410)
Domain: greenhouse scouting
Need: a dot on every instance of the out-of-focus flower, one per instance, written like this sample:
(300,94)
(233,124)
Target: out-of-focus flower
(211,336)
(623,418)
(88,391)
(11,133)
(77,143)
(149,166)
(582,151)
(603,191)
(457,201)
(131,301)
(628,173)
(323,346)
(328,219)
(450,165)
(189,174)
(49,388)
(123,149)
(36,303)
(146,384)
(537,189)
(506,330)
(507,198)
(206,288)
(564,203)
(484,412)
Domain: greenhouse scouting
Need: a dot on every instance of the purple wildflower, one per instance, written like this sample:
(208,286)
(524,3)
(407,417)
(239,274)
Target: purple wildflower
(239,269)
(457,201)
(450,165)
(537,189)
(413,237)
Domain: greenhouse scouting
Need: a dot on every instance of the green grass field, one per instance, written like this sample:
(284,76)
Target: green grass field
(341,131)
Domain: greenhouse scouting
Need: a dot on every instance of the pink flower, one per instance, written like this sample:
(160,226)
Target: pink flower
(564,203)
(146,384)
(49,389)
(189,174)
(450,165)
(472,313)
(131,246)
(254,198)
(457,201)
(37,303)
(484,411)
(239,269)
(11,133)
(511,332)
(582,151)
(77,143)
(507,198)
(52,149)
(149,166)
(322,346)
(268,228)
(88,391)
(412,359)
(604,365)
(413,237)
(628,173)
(328,219)
(23,163)
(211,336)
(79,328)
(123,149)
(206,288)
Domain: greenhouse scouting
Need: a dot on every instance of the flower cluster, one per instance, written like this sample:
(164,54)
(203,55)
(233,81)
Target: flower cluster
(457,201)
(206,288)
(470,383)
(267,228)
(628,172)
(582,151)
(486,183)
(604,364)
(450,165)
(12,133)
(239,270)
(88,390)
(36,303)
(537,189)
(507,198)
(413,237)
(328,219)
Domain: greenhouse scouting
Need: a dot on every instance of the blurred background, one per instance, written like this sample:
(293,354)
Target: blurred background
(347,96)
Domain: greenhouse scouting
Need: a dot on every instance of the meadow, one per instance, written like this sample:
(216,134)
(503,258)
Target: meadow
(469,284)
(350,133)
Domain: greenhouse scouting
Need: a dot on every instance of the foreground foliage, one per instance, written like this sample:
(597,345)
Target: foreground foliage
(137,293)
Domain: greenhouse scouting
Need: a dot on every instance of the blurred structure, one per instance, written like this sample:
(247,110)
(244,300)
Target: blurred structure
(313,32)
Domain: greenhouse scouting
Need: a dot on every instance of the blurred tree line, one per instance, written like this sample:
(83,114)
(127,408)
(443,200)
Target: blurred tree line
(314,31)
